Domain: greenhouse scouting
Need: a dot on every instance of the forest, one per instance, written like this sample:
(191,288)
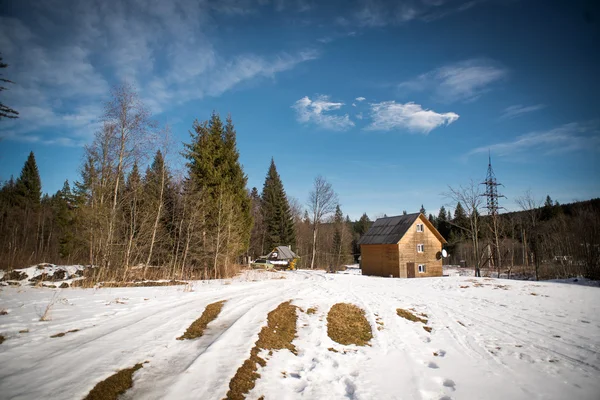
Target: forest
(131,217)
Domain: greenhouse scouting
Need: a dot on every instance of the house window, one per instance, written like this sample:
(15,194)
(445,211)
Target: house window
(419,227)
(422,269)
(420,248)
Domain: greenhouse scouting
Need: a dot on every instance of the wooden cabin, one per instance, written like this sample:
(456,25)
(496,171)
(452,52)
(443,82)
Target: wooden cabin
(406,246)
(283,256)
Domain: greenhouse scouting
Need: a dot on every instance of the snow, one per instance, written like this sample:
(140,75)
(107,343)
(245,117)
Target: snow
(494,339)
(35,274)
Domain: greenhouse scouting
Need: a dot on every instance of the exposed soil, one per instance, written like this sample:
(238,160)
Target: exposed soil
(114,385)
(197,327)
(346,324)
(278,334)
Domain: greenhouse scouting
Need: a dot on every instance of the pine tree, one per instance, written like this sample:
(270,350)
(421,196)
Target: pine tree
(28,187)
(276,213)
(5,111)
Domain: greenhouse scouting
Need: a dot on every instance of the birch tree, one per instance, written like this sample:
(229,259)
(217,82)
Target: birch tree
(322,202)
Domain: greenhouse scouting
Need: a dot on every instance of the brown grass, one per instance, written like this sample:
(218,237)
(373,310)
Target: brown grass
(3,312)
(2,338)
(533,294)
(64,333)
(141,284)
(346,324)
(24,331)
(279,333)
(312,310)
(410,316)
(427,328)
(114,385)
(197,327)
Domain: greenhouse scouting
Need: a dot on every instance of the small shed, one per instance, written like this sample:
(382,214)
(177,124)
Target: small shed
(282,255)
(404,246)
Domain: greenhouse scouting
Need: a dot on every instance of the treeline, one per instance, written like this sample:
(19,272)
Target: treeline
(541,241)
(129,215)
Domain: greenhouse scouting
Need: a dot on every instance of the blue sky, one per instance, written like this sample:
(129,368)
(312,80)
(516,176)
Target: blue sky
(390,101)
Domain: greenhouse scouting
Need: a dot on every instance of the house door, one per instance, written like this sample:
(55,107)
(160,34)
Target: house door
(410,270)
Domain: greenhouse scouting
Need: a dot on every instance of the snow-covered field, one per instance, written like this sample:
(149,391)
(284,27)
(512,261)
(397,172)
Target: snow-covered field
(492,339)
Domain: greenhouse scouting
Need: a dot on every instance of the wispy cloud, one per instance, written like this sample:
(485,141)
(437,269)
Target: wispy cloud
(566,138)
(378,13)
(360,99)
(317,112)
(390,115)
(64,66)
(518,110)
(462,81)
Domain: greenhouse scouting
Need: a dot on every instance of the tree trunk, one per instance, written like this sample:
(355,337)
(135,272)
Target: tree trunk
(157,219)
(314,247)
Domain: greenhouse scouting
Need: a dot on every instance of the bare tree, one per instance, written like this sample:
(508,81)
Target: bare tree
(129,123)
(470,197)
(532,208)
(322,201)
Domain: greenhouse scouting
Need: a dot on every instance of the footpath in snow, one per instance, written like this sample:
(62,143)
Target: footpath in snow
(490,339)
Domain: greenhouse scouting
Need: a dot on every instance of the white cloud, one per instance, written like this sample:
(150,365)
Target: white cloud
(64,56)
(565,138)
(390,115)
(360,99)
(518,110)
(463,81)
(316,112)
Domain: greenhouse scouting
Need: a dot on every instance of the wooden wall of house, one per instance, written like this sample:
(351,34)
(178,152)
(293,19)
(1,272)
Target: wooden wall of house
(407,248)
(379,259)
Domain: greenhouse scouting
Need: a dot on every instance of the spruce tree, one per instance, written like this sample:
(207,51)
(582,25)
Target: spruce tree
(29,186)
(64,219)
(338,220)
(277,216)
(215,174)
(443,226)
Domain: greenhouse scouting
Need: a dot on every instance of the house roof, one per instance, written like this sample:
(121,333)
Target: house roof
(390,230)
(283,253)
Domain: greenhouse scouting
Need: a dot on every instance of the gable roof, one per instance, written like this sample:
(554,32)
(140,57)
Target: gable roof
(390,230)
(283,253)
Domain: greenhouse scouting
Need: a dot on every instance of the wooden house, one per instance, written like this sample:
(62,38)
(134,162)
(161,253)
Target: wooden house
(406,246)
(283,256)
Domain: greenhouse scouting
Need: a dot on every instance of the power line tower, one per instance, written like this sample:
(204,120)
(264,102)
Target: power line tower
(491,190)
(492,196)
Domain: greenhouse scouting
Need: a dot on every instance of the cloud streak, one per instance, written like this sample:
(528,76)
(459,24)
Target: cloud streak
(566,138)
(389,115)
(463,81)
(318,112)
(518,110)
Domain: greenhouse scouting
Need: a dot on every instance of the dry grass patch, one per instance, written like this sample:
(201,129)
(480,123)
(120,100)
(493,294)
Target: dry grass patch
(346,324)
(410,316)
(427,328)
(312,310)
(114,385)
(24,331)
(278,334)
(2,339)
(197,327)
(141,284)
(64,333)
